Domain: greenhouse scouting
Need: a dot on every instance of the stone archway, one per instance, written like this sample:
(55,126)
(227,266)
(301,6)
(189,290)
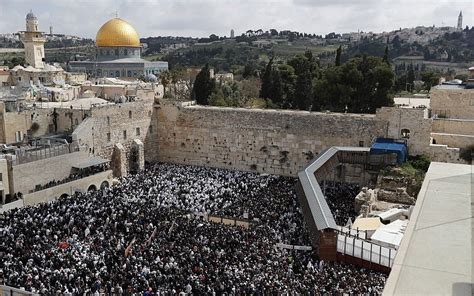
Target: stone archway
(104,185)
(64,195)
(92,188)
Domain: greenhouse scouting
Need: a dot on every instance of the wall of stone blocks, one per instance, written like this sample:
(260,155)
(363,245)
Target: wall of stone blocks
(443,153)
(27,176)
(453,126)
(271,141)
(124,123)
(453,103)
(411,119)
(69,188)
(13,122)
(453,140)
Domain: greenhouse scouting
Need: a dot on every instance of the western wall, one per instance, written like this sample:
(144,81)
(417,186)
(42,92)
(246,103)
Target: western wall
(270,141)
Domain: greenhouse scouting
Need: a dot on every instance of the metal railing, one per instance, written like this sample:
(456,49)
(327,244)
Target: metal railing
(365,250)
(25,156)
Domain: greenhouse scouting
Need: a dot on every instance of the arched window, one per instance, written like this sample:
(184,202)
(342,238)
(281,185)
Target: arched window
(116,52)
(405,133)
(125,52)
(117,73)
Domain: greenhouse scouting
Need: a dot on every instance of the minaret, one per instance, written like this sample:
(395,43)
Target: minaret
(460,20)
(33,41)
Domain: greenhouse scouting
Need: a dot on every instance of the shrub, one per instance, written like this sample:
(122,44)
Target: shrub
(420,162)
(467,153)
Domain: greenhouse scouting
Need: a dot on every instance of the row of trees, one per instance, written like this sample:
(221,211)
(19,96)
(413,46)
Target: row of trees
(361,85)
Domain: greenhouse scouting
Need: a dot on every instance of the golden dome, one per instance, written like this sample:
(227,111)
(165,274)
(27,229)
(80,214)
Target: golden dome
(117,32)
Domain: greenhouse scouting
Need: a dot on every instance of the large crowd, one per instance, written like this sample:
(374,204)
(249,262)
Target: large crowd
(340,198)
(141,237)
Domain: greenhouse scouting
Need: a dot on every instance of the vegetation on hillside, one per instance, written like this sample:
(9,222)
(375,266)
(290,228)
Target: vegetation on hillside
(360,85)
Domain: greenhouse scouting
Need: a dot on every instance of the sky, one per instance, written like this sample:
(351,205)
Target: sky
(200,18)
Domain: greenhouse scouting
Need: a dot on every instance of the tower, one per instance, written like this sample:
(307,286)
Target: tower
(232,34)
(33,41)
(460,21)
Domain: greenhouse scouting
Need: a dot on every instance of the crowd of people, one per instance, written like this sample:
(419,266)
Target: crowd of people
(75,175)
(340,198)
(139,237)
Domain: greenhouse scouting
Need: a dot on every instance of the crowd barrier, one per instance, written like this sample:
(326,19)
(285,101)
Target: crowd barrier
(293,247)
(232,221)
(10,291)
(365,250)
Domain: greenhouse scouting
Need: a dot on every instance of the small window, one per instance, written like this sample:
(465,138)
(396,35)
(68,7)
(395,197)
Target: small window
(108,137)
(129,73)
(117,73)
(116,52)
(108,120)
(124,135)
(19,78)
(125,52)
(151,129)
(149,113)
(361,143)
(130,114)
(137,130)
(1,177)
(405,133)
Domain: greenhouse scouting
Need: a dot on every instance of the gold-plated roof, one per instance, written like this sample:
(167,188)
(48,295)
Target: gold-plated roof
(117,32)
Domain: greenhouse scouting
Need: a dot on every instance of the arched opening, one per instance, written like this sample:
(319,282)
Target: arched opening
(104,185)
(92,188)
(405,133)
(64,195)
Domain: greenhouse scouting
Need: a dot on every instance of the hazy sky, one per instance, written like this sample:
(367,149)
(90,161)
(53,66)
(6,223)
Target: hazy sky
(198,18)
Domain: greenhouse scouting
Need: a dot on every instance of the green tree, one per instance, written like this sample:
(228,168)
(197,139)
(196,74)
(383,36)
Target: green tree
(288,79)
(165,78)
(249,70)
(410,79)
(338,55)
(385,55)
(276,93)
(203,86)
(430,79)
(267,81)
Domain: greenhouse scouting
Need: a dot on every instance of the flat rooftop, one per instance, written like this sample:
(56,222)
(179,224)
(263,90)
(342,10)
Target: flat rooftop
(435,255)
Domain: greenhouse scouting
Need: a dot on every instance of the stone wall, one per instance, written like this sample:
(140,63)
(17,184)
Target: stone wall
(453,103)
(409,119)
(27,176)
(69,188)
(121,123)
(270,141)
(22,122)
(453,140)
(453,126)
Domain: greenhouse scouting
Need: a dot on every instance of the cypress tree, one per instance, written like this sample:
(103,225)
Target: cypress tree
(338,55)
(385,56)
(203,86)
(276,93)
(267,81)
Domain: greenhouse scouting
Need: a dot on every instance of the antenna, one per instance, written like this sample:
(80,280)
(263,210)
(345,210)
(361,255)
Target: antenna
(116,14)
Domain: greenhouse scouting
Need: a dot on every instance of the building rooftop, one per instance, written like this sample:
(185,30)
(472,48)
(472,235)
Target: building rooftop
(435,255)
(84,103)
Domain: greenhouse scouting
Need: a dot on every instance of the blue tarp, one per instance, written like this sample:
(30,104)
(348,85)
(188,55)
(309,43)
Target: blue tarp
(383,146)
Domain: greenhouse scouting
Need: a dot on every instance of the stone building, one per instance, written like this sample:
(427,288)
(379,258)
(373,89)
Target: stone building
(33,40)
(118,54)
